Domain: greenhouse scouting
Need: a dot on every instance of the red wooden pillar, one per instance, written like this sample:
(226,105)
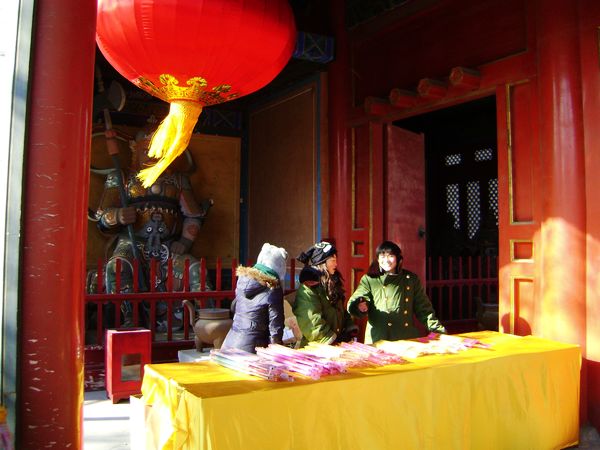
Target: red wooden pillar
(563,302)
(589,12)
(339,104)
(50,395)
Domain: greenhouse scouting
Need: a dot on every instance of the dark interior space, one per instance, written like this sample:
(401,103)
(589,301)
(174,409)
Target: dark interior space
(462,178)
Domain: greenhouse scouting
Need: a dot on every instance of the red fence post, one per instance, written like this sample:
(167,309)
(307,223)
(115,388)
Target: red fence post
(233,274)
(218,274)
(202,274)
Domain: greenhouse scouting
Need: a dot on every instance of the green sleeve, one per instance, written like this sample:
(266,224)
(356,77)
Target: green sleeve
(424,310)
(363,290)
(308,310)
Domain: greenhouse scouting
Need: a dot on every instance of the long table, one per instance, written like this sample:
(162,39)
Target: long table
(521,393)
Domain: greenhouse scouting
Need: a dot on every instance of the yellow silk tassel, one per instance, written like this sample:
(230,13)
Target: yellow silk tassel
(171,138)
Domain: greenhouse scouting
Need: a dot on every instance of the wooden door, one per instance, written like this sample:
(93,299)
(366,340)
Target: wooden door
(404,195)
(388,195)
(519,206)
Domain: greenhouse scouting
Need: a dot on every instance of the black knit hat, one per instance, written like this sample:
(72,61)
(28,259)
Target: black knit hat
(317,254)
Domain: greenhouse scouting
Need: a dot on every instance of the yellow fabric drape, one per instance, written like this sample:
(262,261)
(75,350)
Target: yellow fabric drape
(522,393)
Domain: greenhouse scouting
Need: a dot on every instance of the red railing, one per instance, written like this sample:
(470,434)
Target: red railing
(460,286)
(454,285)
(457,287)
(103,307)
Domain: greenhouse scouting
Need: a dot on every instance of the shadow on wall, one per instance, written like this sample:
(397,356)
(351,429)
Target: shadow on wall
(522,327)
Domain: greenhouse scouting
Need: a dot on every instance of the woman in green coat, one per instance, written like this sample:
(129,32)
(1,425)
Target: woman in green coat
(319,304)
(391,297)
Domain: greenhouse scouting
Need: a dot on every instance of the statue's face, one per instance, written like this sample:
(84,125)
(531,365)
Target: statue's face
(141,159)
(141,151)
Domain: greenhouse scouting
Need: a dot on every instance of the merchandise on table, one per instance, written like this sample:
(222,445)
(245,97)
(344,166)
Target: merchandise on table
(375,355)
(297,362)
(432,344)
(277,362)
(250,364)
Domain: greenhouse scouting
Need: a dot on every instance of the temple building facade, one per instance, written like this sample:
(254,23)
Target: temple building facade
(452,127)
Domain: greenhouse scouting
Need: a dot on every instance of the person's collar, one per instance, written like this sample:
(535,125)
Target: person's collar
(266,270)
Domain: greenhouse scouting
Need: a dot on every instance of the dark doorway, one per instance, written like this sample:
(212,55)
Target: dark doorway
(461,206)
(462,178)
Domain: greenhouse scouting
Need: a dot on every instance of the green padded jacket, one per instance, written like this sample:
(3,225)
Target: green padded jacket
(394,300)
(319,319)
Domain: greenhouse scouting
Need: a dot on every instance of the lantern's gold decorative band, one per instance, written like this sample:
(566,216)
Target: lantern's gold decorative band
(196,89)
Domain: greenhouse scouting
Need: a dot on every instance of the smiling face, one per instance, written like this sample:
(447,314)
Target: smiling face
(387,262)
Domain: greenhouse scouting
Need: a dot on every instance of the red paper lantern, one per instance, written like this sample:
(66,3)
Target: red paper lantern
(193,53)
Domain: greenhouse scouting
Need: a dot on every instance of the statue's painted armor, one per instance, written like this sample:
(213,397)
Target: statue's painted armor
(165,212)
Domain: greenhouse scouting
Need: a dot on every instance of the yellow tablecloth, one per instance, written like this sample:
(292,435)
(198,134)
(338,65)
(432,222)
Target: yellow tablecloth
(522,393)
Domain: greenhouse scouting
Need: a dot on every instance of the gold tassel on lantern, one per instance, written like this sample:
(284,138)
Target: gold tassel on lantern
(171,138)
(173,135)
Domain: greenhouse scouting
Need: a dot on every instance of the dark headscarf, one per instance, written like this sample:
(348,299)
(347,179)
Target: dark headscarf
(317,254)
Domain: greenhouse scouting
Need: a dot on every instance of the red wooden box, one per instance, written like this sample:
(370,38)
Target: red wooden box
(127,351)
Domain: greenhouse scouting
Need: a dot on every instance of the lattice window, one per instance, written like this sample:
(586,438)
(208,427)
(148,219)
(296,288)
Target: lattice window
(453,160)
(493,196)
(484,154)
(473,208)
(453,203)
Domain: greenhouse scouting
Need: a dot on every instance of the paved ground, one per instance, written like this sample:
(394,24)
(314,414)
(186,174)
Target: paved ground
(589,438)
(105,426)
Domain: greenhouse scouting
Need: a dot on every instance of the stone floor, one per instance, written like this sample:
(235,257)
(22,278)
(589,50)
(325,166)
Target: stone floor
(589,438)
(105,425)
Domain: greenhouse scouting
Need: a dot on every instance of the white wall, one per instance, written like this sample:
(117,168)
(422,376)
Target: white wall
(16,19)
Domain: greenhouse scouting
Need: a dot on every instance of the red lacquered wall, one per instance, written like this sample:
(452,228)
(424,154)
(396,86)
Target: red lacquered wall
(540,59)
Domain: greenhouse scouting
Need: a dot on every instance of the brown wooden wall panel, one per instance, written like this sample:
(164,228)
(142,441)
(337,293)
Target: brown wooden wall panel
(217,176)
(524,152)
(282,173)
